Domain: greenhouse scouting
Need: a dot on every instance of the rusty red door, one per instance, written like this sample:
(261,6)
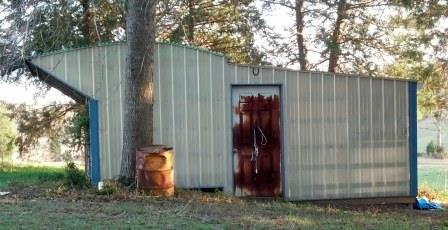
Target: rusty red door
(256,140)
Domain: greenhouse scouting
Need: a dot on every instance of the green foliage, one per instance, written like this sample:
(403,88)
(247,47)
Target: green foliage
(7,134)
(74,177)
(78,129)
(54,147)
(436,151)
(61,123)
(420,45)
(222,26)
(33,124)
(440,153)
(431,148)
(30,27)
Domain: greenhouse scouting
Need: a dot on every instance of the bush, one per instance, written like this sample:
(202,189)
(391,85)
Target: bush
(440,153)
(74,177)
(436,151)
(431,148)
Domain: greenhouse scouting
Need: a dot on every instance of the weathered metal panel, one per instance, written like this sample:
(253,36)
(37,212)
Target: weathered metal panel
(217,125)
(195,173)
(330,159)
(72,76)
(290,106)
(342,134)
(85,63)
(377,137)
(203,120)
(157,116)
(179,107)
(113,100)
(389,136)
(402,138)
(353,132)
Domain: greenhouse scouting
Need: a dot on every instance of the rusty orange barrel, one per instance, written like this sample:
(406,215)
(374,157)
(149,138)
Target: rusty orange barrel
(155,169)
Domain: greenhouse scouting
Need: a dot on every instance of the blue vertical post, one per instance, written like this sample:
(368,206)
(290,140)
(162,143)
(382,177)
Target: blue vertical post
(412,107)
(94,142)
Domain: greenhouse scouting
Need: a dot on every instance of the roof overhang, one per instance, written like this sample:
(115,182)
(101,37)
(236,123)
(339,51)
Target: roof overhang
(54,82)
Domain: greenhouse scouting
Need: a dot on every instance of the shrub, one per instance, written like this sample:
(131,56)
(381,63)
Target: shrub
(431,148)
(440,153)
(74,177)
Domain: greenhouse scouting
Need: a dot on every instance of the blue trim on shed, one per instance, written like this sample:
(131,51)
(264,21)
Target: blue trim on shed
(412,107)
(95,175)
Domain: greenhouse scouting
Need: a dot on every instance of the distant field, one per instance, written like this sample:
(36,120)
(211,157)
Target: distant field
(19,176)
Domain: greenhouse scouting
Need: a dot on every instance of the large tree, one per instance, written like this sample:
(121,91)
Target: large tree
(37,26)
(138,116)
(224,26)
(331,35)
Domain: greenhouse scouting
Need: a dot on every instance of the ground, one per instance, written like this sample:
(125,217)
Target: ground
(40,201)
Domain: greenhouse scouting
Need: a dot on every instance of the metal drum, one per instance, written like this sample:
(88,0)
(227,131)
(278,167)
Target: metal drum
(155,170)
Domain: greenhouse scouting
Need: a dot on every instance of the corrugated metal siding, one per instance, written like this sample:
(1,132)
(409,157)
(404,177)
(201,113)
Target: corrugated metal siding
(343,137)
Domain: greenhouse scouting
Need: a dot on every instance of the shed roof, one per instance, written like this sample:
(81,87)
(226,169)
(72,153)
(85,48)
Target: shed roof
(66,50)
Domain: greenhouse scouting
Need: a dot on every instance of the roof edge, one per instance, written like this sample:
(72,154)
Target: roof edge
(54,82)
(105,44)
(329,73)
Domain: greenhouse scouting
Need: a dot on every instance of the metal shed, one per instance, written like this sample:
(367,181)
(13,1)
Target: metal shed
(252,130)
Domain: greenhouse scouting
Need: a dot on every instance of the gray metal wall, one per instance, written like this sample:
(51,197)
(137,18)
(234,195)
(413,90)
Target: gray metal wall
(343,137)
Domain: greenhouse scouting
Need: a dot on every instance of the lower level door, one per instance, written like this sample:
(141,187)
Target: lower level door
(256,140)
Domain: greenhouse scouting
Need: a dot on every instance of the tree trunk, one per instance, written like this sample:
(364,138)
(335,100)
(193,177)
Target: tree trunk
(335,49)
(299,31)
(439,132)
(86,20)
(190,22)
(138,116)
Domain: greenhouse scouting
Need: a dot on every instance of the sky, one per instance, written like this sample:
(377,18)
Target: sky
(28,94)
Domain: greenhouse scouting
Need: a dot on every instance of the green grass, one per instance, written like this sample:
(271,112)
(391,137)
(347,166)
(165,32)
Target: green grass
(56,207)
(433,177)
(196,210)
(20,176)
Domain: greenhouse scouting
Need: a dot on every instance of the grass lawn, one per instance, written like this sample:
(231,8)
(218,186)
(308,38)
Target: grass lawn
(51,206)
(436,180)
